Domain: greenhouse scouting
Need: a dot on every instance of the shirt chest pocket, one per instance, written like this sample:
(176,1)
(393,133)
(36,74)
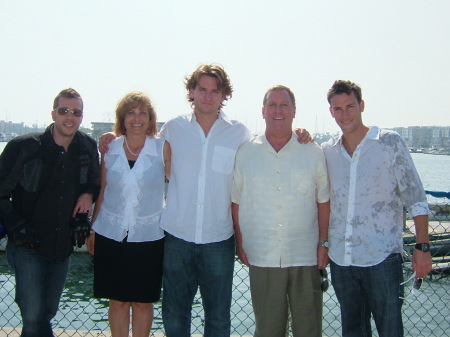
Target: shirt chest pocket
(223,160)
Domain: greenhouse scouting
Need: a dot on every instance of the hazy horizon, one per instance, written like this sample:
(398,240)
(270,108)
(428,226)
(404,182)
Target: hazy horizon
(398,52)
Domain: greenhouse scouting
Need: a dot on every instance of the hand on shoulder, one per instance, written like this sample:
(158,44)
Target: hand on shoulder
(104,141)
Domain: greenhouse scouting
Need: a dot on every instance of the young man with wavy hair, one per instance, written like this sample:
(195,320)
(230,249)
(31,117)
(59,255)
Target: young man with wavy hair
(199,246)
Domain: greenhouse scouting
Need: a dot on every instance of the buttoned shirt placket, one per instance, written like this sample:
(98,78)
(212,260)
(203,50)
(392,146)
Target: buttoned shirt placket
(278,183)
(354,160)
(202,182)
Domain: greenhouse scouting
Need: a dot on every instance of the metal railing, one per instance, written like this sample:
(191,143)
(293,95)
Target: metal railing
(425,314)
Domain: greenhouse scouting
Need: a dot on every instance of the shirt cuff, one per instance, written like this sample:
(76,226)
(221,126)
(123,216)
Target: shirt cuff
(419,208)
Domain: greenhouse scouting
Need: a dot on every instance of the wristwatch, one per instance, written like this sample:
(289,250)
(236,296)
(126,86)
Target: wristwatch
(324,243)
(424,247)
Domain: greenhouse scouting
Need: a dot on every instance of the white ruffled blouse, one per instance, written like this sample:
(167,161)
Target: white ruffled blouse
(133,198)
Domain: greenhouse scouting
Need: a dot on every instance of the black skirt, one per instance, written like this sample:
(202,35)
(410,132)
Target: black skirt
(128,271)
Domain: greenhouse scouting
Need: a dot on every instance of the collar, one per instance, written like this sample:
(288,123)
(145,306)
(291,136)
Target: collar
(372,134)
(262,139)
(148,149)
(221,116)
(47,136)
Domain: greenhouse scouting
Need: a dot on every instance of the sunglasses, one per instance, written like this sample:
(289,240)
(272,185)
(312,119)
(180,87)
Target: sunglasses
(325,284)
(415,287)
(65,111)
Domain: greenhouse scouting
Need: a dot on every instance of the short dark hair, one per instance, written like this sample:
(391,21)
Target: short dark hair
(67,93)
(213,70)
(279,87)
(344,87)
(130,101)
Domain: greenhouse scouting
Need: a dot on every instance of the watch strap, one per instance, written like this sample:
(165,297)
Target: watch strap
(424,247)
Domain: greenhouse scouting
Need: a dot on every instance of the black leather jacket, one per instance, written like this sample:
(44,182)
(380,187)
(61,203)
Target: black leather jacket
(40,183)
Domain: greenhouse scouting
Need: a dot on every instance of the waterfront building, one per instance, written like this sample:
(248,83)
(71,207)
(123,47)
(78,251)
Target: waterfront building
(9,130)
(425,137)
(99,128)
(416,137)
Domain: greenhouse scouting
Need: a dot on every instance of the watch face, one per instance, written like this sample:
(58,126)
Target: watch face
(424,247)
(324,243)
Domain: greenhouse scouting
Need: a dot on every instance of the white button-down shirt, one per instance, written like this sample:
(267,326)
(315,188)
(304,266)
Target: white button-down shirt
(198,204)
(368,192)
(277,193)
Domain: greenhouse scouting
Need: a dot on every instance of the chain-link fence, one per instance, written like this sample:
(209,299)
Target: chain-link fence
(425,314)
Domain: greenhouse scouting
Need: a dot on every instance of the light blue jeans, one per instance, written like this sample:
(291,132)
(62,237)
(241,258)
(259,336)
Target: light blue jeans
(376,290)
(188,266)
(39,285)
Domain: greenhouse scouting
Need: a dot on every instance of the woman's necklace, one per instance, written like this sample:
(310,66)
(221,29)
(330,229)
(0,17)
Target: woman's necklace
(134,154)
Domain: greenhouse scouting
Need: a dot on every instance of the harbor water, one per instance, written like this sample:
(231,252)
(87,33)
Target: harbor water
(422,315)
(434,171)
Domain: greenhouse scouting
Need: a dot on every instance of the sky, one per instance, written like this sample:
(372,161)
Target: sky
(397,51)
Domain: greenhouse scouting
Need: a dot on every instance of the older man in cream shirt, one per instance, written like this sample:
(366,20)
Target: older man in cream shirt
(280,209)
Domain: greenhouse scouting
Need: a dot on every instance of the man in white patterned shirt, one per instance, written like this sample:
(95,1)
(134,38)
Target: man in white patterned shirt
(372,176)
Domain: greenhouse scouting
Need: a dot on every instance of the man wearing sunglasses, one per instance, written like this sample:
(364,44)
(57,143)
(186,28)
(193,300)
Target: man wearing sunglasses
(48,182)
(280,210)
(372,176)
